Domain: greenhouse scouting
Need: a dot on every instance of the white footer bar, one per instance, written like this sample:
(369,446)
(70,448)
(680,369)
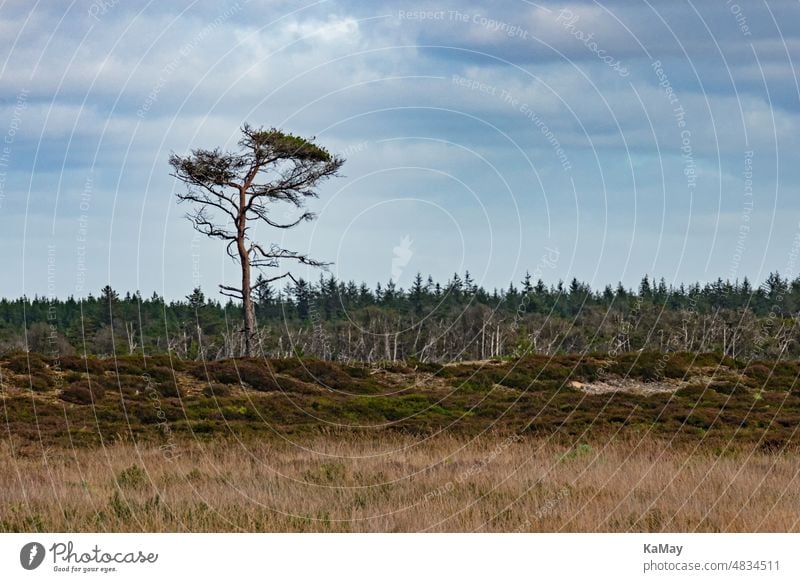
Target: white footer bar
(390,557)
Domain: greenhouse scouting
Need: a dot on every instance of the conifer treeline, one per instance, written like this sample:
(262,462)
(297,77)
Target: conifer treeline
(429,321)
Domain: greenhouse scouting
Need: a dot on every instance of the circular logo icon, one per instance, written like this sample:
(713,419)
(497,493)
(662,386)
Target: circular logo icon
(31,555)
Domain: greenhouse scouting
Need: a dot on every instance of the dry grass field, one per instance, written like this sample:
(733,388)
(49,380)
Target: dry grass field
(398,483)
(637,442)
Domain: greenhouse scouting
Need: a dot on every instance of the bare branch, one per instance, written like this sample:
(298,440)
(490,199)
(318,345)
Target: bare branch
(266,281)
(229,249)
(203,224)
(276,253)
(260,212)
(231,291)
(206,200)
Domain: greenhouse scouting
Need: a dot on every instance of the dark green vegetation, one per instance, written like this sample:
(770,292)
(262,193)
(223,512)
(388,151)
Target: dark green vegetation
(682,397)
(343,321)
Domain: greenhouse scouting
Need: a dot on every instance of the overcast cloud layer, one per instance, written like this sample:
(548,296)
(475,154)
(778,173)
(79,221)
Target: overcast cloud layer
(654,137)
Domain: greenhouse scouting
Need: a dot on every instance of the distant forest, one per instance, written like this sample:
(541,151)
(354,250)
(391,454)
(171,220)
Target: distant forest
(428,322)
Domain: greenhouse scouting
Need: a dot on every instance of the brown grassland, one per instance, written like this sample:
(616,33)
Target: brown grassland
(400,483)
(638,442)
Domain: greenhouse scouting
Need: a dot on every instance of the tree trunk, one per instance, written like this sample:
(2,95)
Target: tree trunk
(247,300)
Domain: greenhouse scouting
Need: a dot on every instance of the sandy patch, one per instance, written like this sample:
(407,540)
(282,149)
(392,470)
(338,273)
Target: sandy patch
(626,385)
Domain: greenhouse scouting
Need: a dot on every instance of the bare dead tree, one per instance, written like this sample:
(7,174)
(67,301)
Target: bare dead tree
(130,334)
(232,190)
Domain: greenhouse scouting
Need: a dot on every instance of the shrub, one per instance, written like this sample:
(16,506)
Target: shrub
(700,419)
(394,408)
(216,390)
(478,382)
(127,384)
(287,384)
(82,365)
(134,477)
(586,371)
(692,392)
(119,507)
(39,384)
(517,380)
(581,451)
(758,372)
(711,359)
(539,368)
(127,365)
(326,474)
(229,371)
(425,367)
(82,393)
(252,373)
(773,445)
(25,363)
(788,369)
(203,427)
(71,376)
(164,360)
(675,367)
(321,373)
(168,389)
(726,387)
(357,371)
(645,366)
(283,364)
(397,368)
(161,373)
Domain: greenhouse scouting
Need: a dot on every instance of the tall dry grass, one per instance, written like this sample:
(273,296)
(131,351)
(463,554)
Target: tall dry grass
(393,483)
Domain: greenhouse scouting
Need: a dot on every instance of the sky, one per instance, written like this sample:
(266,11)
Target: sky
(597,140)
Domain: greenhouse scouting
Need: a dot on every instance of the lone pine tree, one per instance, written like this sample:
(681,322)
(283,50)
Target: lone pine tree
(231,190)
